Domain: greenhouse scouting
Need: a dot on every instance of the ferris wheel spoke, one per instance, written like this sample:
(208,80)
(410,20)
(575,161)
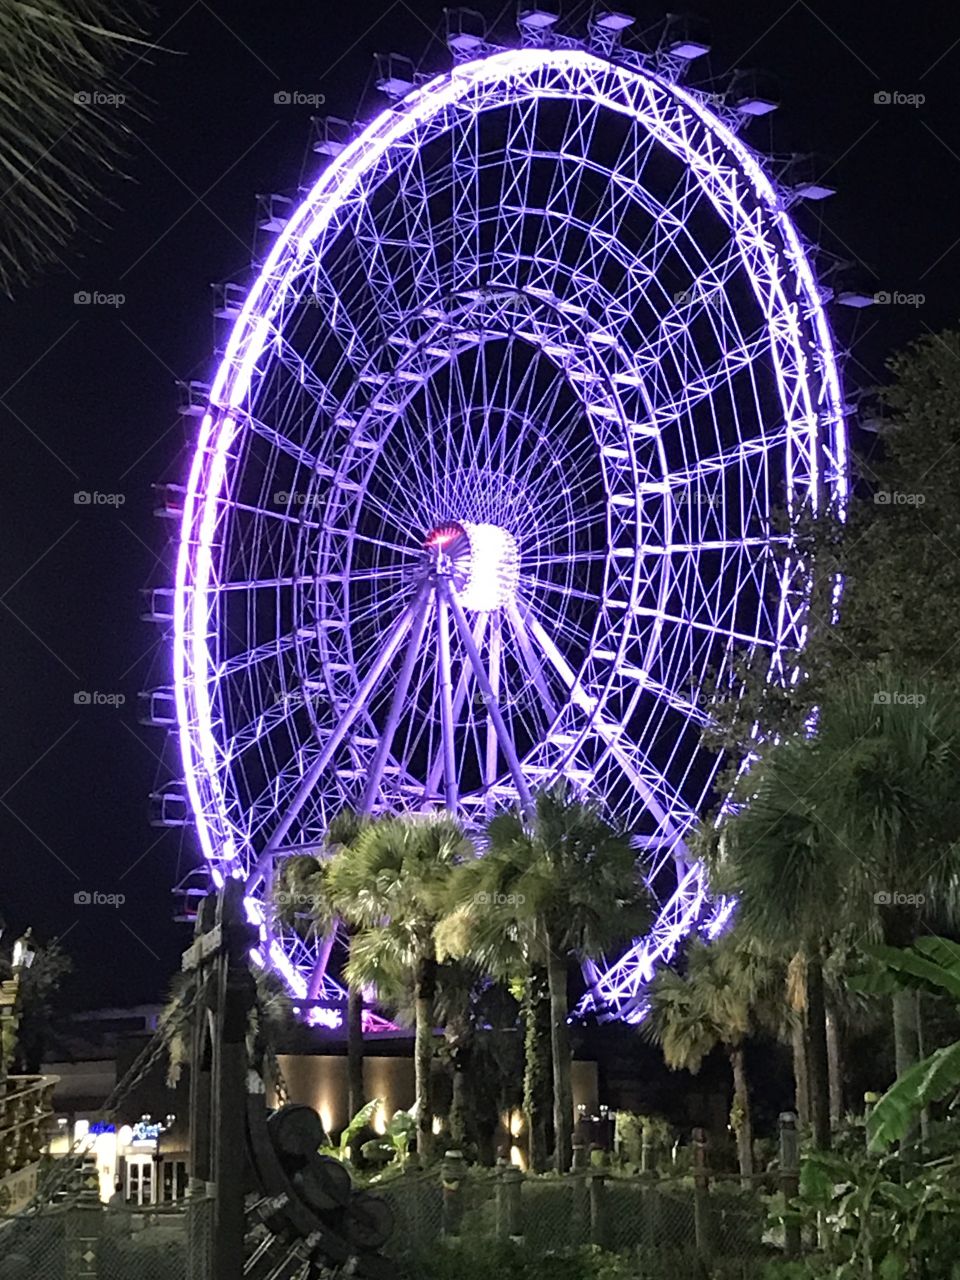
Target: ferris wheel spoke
(648,781)
(444,682)
(378,667)
(534,669)
(493,710)
(493,678)
(459,699)
(419,625)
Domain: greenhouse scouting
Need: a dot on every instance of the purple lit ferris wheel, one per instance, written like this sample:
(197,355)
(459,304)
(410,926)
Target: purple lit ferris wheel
(485,488)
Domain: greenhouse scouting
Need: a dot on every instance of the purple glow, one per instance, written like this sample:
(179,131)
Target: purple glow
(573,678)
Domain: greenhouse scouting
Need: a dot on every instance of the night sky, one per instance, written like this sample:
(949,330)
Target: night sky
(88,401)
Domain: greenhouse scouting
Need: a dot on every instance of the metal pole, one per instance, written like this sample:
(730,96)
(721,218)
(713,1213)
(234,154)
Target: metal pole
(493,710)
(790,1180)
(419,623)
(446,703)
(309,781)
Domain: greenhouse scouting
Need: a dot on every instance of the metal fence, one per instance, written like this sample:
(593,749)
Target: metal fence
(90,1242)
(649,1217)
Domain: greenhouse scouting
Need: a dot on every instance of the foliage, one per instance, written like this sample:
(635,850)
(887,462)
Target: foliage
(715,1001)
(362,1120)
(931,964)
(36,999)
(877,1223)
(58,139)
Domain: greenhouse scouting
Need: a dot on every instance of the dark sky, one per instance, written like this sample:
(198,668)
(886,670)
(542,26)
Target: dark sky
(87,398)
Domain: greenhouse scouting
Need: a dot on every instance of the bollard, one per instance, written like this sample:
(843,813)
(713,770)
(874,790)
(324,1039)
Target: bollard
(702,1225)
(452,1172)
(581,1157)
(790,1179)
(597,1185)
(509,1209)
(648,1153)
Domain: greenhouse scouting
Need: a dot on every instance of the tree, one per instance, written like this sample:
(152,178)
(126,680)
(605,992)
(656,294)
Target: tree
(36,999)
(57,140)
(392,883)
(576,891)
(782,861)
(716,1001)
(481,926)
(303,898)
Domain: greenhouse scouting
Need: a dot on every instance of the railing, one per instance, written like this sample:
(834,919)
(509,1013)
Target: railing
(25,1111)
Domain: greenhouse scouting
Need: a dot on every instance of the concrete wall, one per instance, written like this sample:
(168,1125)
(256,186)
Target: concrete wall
(320,1081)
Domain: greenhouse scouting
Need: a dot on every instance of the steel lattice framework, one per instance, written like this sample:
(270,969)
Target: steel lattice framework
(486,485)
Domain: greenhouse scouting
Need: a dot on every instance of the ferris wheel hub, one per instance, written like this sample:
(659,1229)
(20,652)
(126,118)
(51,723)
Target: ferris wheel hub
(481,560)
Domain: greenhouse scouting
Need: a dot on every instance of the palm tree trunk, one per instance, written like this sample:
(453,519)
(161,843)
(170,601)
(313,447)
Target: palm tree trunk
(560,1046)
(906,1049)
(801,1087)
(537,1071)
(835,1066)
(425,992)
(355,1088)
(818,1073)
(741,1103)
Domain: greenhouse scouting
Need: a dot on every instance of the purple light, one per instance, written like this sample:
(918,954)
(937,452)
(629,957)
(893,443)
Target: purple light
(518,613)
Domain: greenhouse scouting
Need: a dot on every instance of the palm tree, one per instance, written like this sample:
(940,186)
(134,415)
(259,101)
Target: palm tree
(391,882)
(576,891)
(856,825)
(717,1001)
(56,139)
(789,872)
(893,753)
(480,927)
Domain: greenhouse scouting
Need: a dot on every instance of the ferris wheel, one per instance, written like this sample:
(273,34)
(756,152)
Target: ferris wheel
(485,486)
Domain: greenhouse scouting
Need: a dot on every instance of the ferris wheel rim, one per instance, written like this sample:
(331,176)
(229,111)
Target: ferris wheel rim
(192,666)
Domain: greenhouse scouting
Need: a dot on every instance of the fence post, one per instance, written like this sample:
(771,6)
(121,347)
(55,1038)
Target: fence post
(84,1227)
(452,1171)
(648,1153)
(509,1217)
(702,1224)
(597,1185)
(790,1179)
